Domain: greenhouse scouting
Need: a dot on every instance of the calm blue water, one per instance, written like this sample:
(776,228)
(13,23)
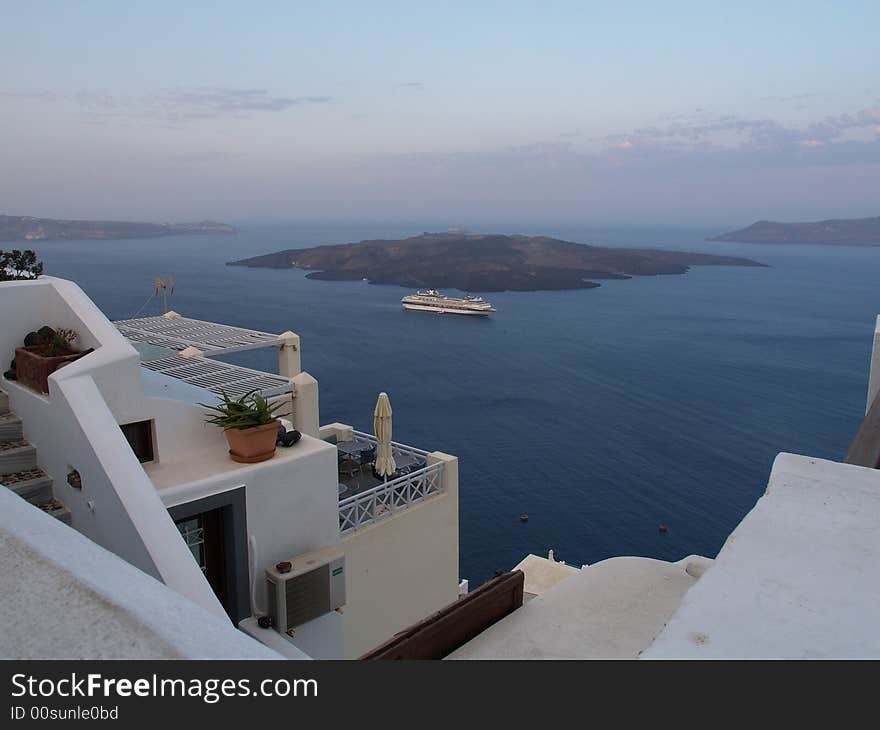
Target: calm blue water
(600,413)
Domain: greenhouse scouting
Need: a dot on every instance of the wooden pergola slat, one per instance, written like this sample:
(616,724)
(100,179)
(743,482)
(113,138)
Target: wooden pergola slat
(217,376)
(179,333)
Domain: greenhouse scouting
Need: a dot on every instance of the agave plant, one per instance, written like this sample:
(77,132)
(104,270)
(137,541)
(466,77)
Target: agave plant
(249,411)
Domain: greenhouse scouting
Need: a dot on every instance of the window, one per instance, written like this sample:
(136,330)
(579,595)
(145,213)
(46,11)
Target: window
(193,532)
(204,536)
(140,437)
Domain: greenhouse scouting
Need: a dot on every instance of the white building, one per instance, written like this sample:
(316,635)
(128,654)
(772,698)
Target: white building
(155,533)
(120,443)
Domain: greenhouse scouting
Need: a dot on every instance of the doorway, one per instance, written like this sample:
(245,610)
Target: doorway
(215,532)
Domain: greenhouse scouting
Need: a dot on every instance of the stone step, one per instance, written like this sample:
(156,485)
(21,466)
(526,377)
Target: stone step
(4,403)
(10,427)
(32,485)
(55,509)
(16,456)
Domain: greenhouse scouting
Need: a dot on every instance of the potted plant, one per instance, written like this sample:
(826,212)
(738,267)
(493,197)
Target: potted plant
(43,353)
(249,424)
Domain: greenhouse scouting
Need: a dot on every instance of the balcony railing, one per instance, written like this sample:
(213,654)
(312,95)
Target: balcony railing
(389,497)
(397,449)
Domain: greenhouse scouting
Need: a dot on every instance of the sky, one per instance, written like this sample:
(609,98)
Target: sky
(460,112)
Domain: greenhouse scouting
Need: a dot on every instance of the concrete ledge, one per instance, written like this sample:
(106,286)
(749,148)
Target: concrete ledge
(798,578)
(542,574)
(610,610)
(341,431)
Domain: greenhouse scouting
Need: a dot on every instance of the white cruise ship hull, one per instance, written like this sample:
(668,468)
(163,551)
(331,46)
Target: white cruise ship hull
(439,309)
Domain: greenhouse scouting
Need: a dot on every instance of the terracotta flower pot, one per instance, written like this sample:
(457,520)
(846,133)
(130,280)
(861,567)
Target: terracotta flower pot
(33,369)
(250,445)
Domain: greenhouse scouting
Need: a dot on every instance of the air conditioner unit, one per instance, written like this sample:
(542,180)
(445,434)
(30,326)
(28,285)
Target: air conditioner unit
(315,585)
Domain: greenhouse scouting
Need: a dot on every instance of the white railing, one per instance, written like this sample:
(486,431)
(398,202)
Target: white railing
(386,499)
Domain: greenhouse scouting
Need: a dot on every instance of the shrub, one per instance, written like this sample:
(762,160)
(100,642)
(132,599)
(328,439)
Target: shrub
(18,265)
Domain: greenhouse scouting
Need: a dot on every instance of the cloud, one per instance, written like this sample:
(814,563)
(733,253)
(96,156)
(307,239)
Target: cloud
(798,102)
(746,135)
(412,85)
(219,101)
(175,105)
(789,97)
(863,118)
(30,95)
(726,153)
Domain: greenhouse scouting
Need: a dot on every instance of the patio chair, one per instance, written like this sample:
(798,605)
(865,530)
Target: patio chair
(388,478)
(349,467)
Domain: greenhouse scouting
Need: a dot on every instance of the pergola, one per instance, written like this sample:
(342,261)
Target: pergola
(198,342)
(179,333)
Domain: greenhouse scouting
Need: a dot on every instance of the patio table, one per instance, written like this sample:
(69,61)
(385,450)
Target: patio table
(360,451)
(408,463)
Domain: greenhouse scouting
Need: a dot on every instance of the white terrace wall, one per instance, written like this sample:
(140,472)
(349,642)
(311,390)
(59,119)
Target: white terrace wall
(402,568)
(292,503)
(75,426)
(874,378)
(26,306)
(291,500)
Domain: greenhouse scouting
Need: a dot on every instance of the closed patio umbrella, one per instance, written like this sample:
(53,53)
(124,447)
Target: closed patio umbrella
(385,465)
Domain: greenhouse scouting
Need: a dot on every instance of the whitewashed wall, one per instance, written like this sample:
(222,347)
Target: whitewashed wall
(874,377)
(402,568)
(75,426)
(292,502)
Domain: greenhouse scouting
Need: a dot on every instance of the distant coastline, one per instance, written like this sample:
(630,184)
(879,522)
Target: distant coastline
(27,228)
(484,262)
(840,232)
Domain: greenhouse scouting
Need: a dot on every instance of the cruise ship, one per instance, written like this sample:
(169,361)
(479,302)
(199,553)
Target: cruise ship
(433,301)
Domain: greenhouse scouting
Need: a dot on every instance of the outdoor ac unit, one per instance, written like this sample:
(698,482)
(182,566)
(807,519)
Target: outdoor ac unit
(315,585)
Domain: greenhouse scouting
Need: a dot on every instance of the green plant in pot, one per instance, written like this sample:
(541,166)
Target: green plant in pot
(249,423)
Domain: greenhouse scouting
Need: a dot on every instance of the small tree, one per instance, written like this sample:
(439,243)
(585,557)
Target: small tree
(19,265)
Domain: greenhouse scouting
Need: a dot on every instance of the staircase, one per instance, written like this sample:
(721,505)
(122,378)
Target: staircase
(18,466)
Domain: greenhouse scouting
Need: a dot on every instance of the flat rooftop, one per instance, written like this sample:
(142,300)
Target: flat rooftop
(799,578)
(213,461)
(610,610)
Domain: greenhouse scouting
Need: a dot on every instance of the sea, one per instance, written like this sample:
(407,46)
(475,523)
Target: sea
(600,413)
